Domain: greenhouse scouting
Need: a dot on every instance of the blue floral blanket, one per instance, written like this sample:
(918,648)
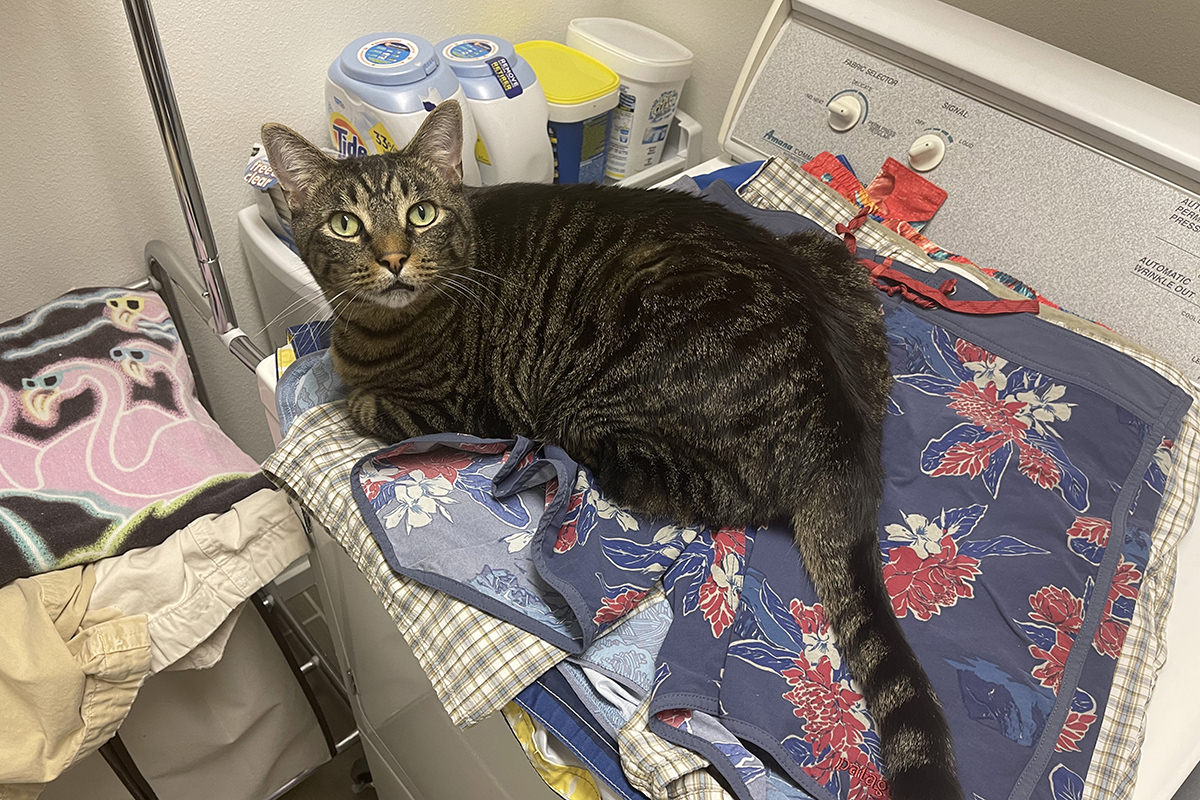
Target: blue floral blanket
(1025,466)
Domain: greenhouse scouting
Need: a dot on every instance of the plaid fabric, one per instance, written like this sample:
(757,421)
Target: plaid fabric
(699,785)
(1114,763)
(780,184)
(476,662)
(662,770)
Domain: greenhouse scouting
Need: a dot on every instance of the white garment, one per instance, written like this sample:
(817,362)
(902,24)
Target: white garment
(78,643)
(626,702)
(191,586)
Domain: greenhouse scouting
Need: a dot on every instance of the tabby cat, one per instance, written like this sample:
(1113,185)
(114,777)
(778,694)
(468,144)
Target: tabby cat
(703,369)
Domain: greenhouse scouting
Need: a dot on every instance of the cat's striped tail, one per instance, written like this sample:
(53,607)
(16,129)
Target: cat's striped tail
(837,536)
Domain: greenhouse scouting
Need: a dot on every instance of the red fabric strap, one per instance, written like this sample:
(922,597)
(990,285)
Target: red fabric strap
(924,295)
(847,231)
(895,282)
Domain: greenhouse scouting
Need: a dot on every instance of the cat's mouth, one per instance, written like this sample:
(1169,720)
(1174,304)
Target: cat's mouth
(398,285)
(397,293)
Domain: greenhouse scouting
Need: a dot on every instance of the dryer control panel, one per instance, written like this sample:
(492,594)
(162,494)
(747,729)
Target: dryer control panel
(1102,238)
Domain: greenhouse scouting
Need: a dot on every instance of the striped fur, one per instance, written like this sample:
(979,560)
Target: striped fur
(704,370)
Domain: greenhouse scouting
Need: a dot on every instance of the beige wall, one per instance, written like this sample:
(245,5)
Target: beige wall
(85,183)
(1156,41)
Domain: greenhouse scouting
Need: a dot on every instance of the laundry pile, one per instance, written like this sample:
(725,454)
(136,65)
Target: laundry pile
(1036,487)
(131,528)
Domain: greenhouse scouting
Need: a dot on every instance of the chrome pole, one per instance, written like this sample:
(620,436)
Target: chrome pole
(179,157)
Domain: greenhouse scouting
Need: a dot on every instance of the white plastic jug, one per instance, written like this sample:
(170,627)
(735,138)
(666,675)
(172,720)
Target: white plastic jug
(379,89)
(653,69)
(508,105)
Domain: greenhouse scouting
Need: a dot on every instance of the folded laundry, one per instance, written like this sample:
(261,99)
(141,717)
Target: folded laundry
(1013,453)
(780,184)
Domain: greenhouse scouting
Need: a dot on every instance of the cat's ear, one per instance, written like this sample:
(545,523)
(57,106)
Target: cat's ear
(440,140)
(297,162)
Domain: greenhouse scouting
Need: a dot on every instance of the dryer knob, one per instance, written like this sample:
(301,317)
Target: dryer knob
(845,111)
(926,152)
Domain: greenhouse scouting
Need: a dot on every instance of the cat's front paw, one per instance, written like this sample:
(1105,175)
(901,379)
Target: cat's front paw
(381,414)
(364,408)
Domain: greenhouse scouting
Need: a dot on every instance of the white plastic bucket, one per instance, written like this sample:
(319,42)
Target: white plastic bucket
(653,69)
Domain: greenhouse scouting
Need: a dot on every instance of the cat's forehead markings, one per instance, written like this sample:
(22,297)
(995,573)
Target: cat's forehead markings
(352,201)
(365,185)
(405,201)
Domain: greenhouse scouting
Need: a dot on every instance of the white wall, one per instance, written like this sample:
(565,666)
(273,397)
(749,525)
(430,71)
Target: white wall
(1157,42)
(85,182)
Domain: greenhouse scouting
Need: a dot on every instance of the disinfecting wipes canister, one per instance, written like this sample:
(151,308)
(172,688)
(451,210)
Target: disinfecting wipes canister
(508,105)
(379,90)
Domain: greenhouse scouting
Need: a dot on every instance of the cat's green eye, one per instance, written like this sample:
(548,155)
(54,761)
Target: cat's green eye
(343,223)
(422,214)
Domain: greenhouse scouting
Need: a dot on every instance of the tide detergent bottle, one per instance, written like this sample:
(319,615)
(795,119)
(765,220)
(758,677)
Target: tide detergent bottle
(508,105)
(380,88)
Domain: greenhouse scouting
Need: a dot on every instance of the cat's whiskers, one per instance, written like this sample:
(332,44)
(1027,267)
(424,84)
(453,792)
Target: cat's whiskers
(319,311)
(464,289)
(306,297)
(337,304)
(452,299)
(350,302)
(343,306)
(482,271)
(461,291)
(491,290)
(334,306)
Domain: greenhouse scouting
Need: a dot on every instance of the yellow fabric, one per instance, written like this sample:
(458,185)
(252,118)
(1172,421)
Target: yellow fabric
(568,781)
(67,675)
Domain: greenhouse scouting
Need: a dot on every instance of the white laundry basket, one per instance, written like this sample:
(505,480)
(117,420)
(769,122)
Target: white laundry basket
(287,293)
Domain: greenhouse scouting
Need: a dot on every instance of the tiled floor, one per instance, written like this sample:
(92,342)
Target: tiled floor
(333,781)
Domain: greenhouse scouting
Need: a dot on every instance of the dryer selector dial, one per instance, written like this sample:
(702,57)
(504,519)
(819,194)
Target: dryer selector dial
(926,152)
(845,111)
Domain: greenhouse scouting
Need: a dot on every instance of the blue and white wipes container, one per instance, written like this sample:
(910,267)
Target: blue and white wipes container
(379,90)
(508,106)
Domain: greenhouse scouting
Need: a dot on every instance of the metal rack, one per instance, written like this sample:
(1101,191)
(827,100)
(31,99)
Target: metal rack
(209,297)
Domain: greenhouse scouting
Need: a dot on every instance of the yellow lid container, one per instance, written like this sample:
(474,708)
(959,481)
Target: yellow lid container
(577,86)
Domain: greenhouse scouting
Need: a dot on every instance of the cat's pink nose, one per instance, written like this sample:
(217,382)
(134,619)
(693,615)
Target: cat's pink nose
(392,261)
